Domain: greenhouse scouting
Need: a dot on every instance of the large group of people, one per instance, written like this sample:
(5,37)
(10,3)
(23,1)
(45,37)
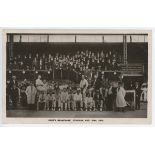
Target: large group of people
(79,61)
(101,95)
(107,60)
(90,90)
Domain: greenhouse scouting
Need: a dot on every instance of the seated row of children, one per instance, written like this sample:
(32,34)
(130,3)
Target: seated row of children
(68,99)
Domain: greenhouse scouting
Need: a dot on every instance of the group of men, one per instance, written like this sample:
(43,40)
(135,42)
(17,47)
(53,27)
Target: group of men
(100,95)
(42,95)
(80,60)
(69,66)
(94,92)
(55,97)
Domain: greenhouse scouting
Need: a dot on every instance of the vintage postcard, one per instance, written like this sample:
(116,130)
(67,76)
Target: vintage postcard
(84,76)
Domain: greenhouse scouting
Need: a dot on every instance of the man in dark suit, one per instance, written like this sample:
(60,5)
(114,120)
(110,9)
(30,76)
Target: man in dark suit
(131,86)
(138,93)
(29,61)
(14,96)
(109,65)
(93,63)
(43,61)
(96,83)
(13,81)
(19,59)
(103,64)
(26,62)
(15,65)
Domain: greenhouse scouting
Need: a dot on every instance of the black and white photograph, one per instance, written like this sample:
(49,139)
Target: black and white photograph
(77,75)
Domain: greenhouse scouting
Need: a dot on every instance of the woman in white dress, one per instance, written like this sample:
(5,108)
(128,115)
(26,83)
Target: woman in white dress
(120,101)
(31,94)
(144,92)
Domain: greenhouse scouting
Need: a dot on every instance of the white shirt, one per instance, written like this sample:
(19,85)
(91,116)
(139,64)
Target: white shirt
(88,100)
(64,96)
(84,83)
(45,86)
(39,82)
(39,85)
(78,97)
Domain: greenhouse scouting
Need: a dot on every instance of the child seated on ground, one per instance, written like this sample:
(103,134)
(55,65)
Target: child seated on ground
(89,102)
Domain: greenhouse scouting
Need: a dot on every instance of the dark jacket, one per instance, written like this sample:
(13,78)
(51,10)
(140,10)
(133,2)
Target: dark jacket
(138,92)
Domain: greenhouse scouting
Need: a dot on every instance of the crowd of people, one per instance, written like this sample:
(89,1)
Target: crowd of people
(90,90)
(79,61)
(101,95)
(68,66)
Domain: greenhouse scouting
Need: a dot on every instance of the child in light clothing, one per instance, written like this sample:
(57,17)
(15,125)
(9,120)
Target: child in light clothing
(53,101)
(78,100)
(57,97)
(89,102)
(64,99)
(50,101)
(70,100)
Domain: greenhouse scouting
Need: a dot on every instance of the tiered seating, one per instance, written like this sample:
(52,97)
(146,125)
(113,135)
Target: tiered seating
(134,68)
(63,66)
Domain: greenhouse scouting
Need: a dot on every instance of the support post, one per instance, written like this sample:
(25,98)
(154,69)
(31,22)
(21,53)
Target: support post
(11,46)
(125,49)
